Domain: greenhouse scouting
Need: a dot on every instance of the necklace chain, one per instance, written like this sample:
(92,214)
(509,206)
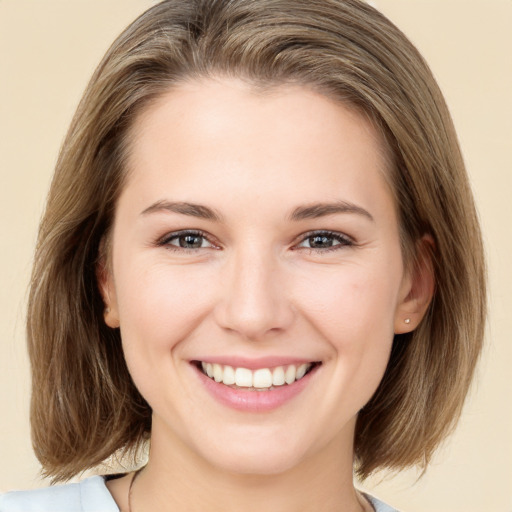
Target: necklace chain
(366,503)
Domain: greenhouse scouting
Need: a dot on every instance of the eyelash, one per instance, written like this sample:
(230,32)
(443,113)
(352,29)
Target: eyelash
(166,240)
(343,241)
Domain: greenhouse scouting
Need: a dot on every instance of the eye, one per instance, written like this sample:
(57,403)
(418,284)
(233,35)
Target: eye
(324,241)
(186,240)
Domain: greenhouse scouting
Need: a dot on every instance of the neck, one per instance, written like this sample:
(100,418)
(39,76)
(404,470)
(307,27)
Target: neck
(178,479)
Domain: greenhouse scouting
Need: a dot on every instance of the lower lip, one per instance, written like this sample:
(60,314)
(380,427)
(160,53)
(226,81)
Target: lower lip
(254,401)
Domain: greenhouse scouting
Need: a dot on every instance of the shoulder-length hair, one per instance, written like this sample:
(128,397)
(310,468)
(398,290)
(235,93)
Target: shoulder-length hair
(85,406)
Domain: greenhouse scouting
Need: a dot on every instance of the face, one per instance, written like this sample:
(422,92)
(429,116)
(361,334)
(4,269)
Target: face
(256,240)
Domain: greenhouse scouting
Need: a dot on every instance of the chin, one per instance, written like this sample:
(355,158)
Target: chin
(253,453)
(265,462)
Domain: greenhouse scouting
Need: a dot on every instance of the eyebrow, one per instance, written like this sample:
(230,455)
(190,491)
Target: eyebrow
(317,210)
(194,210)
(312,211)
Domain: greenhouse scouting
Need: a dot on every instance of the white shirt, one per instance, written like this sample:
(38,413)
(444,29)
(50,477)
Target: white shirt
(89,495)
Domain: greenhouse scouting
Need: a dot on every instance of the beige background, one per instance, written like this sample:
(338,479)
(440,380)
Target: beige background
(49,48)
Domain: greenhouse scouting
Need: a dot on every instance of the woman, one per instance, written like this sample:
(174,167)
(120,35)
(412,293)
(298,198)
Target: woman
(260,254)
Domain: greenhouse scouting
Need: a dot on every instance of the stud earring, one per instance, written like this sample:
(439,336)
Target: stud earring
(107,311)
(407,321)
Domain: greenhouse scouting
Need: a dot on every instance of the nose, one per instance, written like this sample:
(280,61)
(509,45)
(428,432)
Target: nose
(254,301)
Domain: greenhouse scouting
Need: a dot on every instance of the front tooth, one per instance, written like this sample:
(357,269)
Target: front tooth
(209,370)
(243,377)
(301,371)
(217,372)
(278,376)
(262,378)
(289,375)
(229,376)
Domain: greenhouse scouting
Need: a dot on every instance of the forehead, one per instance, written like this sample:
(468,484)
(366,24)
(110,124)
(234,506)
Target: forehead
(208,99)
(232,134)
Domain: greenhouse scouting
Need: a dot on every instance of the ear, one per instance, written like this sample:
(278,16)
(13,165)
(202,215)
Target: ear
(417,288)
(106,286)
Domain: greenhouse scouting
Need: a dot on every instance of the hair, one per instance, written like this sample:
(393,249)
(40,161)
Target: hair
(85,407)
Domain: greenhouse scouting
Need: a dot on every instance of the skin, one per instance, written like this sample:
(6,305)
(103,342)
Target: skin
(255,288)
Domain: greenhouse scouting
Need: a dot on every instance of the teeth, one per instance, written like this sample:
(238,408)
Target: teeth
(301,371)
(209,370)
(290,374)
(217,373)
(278,376)
(229,375)
(260,379)
(243,377)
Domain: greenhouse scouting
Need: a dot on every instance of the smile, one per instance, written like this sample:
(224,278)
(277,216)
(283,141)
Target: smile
(261,379)
(262,387)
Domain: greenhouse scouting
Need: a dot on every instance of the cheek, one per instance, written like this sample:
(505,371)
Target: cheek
(351,306)
(353,311)
(159,305)
(350,310)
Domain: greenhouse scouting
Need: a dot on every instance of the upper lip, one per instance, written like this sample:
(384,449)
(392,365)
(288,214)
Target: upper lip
(255,363)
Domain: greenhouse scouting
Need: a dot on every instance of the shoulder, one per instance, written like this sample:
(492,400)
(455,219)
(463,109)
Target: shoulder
(89,495)
(380,506)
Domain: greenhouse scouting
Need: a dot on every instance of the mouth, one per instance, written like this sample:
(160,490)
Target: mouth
(260,379)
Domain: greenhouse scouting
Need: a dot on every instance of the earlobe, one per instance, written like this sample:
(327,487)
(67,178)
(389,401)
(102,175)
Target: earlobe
(417,288)
(111,317)
(107,289)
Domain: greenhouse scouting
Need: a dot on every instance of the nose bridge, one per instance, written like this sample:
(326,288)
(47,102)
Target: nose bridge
(254,300)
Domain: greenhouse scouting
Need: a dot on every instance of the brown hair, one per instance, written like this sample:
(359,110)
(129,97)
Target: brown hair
(85,406)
